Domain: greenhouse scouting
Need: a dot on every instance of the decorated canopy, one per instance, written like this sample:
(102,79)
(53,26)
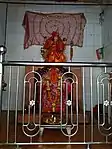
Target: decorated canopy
(39,26)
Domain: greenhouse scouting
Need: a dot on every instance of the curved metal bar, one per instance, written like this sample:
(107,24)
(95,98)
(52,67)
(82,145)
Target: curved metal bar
(101,83)
(40,88)
(61,113)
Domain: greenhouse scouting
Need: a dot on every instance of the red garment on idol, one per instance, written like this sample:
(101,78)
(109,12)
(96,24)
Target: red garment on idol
(55,47)
(51,91)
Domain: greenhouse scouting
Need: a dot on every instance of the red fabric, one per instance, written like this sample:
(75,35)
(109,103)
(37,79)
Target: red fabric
(54,34)
(49,42)
(38,26)
(54,75)
(95,109)
(26,27)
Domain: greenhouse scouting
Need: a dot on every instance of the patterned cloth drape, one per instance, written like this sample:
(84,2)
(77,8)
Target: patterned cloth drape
(38,26)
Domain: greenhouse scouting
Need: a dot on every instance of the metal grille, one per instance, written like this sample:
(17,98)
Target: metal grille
(70,126)
(91,125)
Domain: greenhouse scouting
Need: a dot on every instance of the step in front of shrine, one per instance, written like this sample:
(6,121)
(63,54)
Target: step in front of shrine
(26,117)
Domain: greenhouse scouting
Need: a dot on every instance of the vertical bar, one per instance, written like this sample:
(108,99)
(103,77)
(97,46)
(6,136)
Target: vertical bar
(33,68)
(17,90)
(104,116)
(98,97)
(29,98)
(71,104)
(77,101)
(9,93)
(40,100)
(66,102)
(91,89)
(109,99)
(106,138)
(105,69)
(35,102)
(0,88)
(103,106)
(2,52)
(88,146)
(24,97)
(69,69)
(30,139)
(91,97)
(5,32)
(40,104)
(61,98)
(84,103)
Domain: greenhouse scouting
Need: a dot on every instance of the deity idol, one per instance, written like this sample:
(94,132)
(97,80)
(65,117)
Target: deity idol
(53,51)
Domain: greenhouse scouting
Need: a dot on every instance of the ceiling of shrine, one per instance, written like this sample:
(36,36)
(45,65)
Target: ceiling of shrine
(61,1)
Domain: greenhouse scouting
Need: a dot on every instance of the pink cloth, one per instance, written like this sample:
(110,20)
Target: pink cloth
(38,26)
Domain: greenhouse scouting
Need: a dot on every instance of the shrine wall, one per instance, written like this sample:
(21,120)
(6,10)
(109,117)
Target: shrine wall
(15,38)
(107,38)
(2,23)
(107,34)
(15,32)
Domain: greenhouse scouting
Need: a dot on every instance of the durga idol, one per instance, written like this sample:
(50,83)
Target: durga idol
(53,51)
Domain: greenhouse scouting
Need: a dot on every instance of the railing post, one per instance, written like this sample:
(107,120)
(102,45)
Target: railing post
(88,146)
(2,52)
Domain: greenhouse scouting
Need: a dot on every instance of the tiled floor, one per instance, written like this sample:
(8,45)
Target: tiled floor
(53,135)
(59,147)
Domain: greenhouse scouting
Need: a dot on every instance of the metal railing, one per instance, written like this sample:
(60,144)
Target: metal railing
(91,124)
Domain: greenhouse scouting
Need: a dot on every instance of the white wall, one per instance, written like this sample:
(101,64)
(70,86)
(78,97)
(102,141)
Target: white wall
(2,23)
(15,38)
(107,38)
(107,33)
(15,34)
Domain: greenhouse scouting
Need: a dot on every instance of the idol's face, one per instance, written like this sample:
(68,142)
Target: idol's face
(55,38)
